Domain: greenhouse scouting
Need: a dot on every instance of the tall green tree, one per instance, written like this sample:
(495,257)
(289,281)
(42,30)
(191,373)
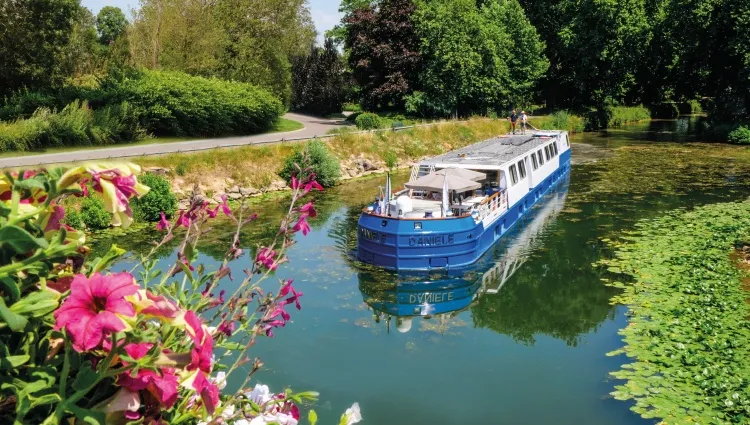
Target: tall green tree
(111,24)
(318,80)
(83,54)
(33,36)
(384,52)
(477,57)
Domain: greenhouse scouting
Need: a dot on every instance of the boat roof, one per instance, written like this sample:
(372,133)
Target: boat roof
(492,154)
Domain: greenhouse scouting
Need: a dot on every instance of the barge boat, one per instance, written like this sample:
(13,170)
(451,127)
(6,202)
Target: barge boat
(459,204)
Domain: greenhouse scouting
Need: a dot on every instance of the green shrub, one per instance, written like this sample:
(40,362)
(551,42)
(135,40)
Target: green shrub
(24,103)
(621,115)
(391,159)
(93,214)
(351,107)
(665,110)
(559,120)
(73,218)
(175,103)
(368,121)
(159,199)
(740,136)
(315,157)
(695,106)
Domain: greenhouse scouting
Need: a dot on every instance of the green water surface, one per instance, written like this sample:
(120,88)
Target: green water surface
(524,347)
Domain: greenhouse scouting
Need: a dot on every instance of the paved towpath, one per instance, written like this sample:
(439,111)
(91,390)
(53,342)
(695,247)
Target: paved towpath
(314,126)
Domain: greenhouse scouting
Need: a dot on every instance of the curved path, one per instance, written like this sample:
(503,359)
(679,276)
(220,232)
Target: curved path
(314,126)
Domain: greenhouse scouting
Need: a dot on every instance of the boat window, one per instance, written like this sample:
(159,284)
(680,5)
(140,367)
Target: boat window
(565,138)
(546,152)
(539,155)
(534,163)
(513,174)
(522,168)
(554,147)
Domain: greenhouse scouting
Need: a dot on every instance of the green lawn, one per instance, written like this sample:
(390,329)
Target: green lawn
(283,125)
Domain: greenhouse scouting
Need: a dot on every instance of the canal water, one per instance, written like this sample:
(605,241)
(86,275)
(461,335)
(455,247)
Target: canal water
(522,337)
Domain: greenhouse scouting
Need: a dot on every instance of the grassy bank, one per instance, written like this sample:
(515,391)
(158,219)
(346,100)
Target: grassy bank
(258,165)
(688,339)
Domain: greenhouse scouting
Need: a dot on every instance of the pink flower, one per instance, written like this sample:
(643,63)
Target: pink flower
(89,314)
(309,210)
(286,289)
(183,219)
(53,223)
(162,385)
(295,183)
(312,184)
(266,257)
(203,344)
(227,328)
(116,186)
(163,223)
(224,206)
(208,391)
(302,225)
(156,306)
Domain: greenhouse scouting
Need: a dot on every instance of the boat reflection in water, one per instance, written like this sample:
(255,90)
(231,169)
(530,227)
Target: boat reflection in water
(406,296)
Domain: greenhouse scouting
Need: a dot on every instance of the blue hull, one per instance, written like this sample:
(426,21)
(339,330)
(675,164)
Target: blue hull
(446,243)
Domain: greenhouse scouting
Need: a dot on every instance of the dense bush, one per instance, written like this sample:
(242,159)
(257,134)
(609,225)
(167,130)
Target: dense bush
(175,103)
(740,136)
(620,115)
(560,120)
(73,218)
(159,199)
(316,158)
(368,121)
(93,214)
(318,81)
(666,110)
(75,125)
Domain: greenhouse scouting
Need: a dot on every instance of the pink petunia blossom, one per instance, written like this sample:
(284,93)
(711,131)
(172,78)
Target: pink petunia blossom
(89,314)
(203,343)
(163,223)
(54,221)
(266,257)
(162,385)
(159,306)
(309,210)
(302,225)
(208,392)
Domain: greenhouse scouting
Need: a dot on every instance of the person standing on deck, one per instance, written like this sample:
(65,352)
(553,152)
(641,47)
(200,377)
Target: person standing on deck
(524,121)
(513,118)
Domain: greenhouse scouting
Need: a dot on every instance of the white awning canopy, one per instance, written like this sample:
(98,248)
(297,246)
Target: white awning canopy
(463,173)
(436,182)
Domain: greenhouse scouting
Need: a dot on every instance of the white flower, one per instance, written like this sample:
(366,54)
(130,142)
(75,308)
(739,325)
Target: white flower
(220,380)
(273,418)
(353,414)
(260,395)
(228,412)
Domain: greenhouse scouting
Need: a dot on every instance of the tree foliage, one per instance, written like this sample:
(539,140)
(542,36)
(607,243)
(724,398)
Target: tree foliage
(111,24)
(384,52)
(477,57)
(33,35)
(319,84)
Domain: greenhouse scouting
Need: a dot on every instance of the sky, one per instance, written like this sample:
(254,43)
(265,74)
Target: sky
(325,13)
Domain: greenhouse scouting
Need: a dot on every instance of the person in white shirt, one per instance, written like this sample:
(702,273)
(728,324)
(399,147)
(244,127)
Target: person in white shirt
(524,120)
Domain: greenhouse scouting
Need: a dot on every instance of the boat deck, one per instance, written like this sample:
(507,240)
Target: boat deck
(491,152)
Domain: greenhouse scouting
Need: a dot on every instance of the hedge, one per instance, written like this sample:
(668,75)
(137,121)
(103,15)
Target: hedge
(175,103)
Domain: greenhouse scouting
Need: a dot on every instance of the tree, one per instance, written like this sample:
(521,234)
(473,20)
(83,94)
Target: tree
(318,80)
(33,35)
(477,58)
(111,24)
(383,53)
(83,54)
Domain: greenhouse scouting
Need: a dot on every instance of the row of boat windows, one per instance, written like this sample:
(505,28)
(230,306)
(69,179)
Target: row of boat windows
(537,160)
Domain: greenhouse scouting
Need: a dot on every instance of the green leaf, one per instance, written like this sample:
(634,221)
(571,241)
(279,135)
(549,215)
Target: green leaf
(91,417)
(36,304)
(29,184)
(16,322)
(20,240)
(9,362)
(11,288)
(86,376)
(45,399)
(103,263)
(229,345)
(312,417)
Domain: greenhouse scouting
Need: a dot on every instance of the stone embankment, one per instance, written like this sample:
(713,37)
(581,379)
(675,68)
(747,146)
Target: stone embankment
(353,168)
